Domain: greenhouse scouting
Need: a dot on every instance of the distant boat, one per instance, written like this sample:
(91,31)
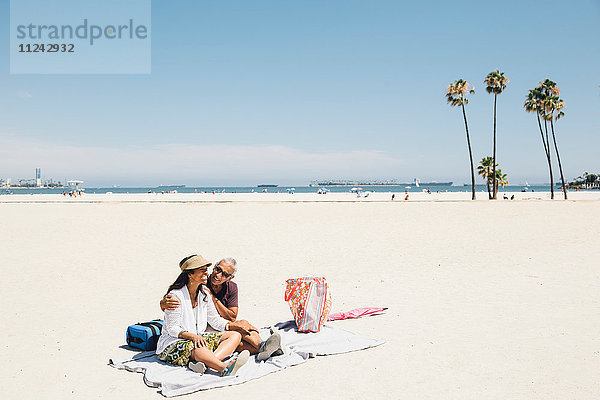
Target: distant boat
(266,185)
(374,183)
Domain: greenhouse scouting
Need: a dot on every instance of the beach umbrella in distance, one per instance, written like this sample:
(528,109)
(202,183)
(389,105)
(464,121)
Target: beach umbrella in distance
(356,313)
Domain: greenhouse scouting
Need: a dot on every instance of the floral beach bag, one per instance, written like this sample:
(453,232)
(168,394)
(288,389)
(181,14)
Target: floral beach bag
(310,302)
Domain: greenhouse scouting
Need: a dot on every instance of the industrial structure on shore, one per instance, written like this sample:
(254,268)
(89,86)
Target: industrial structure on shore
(35,182)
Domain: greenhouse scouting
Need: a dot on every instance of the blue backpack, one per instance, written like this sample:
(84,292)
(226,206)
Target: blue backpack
(144,335)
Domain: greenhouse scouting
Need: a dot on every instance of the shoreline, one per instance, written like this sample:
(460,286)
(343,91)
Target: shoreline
(373,197)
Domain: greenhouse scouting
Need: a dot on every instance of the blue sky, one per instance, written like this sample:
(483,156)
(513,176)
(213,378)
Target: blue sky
(287,92)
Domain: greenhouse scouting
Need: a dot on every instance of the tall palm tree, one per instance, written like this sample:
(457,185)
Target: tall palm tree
(456,96)
(485,170)
(534,103)
(496,83)
(553,107)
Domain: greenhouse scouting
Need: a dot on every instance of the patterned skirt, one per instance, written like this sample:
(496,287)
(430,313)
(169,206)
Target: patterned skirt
(179,353)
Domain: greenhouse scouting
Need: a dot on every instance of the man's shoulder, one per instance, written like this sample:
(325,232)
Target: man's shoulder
(232,286)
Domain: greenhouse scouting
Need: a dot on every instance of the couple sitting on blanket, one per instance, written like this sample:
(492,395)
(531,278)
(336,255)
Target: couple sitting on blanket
(196,300)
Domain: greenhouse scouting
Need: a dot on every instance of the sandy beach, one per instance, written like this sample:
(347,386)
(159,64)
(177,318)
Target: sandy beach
(487,300)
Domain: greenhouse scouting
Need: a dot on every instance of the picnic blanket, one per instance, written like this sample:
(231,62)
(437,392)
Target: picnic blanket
(299,346)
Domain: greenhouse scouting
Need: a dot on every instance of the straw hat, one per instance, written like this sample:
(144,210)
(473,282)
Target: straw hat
(195,262)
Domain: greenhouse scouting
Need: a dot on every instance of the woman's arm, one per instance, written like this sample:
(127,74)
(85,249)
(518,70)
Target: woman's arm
(173,322)
(197,339)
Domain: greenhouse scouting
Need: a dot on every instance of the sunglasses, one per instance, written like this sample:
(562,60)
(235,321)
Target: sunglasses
(219,270)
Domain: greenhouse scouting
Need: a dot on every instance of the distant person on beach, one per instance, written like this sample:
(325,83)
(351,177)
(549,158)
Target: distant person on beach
(393,197)
(184,339)
(406,198)
(224,294)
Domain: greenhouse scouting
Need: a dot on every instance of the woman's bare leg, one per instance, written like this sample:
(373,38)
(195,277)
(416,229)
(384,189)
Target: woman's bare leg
(208,358)
(229,342)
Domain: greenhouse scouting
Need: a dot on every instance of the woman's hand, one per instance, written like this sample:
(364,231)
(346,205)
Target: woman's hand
(198,341)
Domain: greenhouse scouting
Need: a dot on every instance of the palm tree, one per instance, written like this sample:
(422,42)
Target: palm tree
(553,106)
(501,179)
(496,83)
(534,103)
(485,170)
(456,96)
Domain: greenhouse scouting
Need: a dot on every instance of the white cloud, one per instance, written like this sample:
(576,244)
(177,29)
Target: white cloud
(24,95)
(190,164)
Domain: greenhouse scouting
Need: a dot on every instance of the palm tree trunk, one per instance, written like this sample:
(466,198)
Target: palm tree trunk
(549,160)
(562,179)
(495,196)
(546,151)
(487,180)
(542,134)
(470,153)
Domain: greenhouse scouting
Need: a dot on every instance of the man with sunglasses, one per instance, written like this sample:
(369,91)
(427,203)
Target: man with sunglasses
(225,292)
(225,297)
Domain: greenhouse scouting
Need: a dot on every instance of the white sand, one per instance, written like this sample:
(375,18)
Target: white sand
(488,300)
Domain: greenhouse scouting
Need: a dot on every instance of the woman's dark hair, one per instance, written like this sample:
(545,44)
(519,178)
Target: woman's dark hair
(184,278)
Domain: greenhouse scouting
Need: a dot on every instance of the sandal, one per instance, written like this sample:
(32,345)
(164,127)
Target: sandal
(197,366)
(270,347)
(236,364)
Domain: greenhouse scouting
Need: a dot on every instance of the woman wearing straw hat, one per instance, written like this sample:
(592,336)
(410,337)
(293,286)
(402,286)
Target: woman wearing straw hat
(183,340)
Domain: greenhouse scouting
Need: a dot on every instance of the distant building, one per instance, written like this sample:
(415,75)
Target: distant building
(75,185)
(38,177)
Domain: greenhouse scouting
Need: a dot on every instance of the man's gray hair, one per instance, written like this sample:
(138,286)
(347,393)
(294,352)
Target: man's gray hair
(229,261)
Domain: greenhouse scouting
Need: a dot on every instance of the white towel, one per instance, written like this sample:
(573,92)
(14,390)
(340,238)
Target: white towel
(174,380)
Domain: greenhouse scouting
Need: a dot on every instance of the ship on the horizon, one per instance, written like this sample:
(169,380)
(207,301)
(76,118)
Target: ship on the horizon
(374,183)
(266,185)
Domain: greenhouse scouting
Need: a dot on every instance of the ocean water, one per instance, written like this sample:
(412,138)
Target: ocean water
(281,189)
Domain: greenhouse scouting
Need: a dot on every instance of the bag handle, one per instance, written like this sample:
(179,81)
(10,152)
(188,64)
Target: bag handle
(157,323)
(288,295)
(154,327)
(307,280)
